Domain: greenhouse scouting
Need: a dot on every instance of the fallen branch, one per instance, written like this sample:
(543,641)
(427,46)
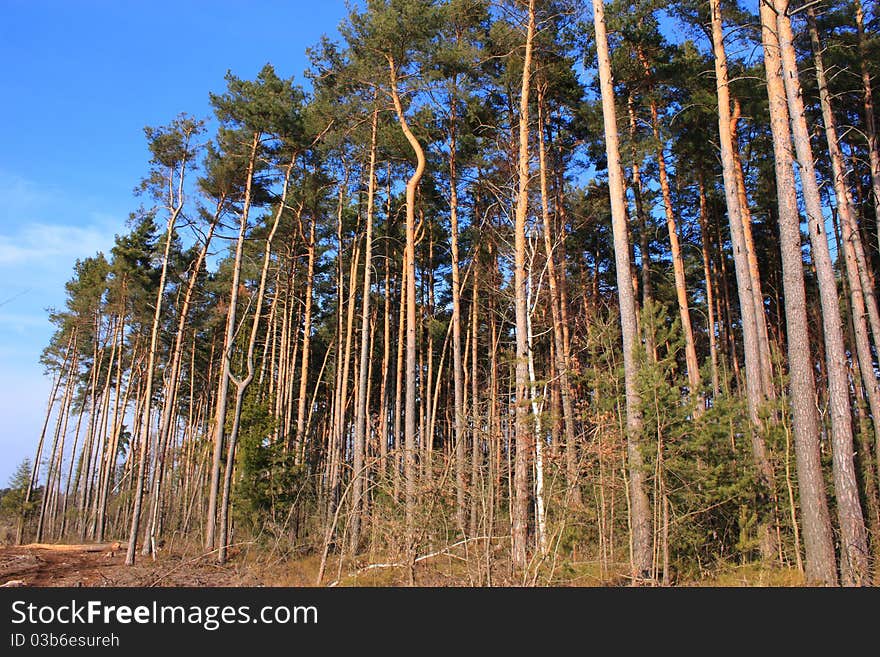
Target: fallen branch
(424,557)
(193,560)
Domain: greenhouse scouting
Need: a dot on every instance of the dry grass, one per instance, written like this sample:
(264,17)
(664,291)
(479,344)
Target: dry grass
(750,575)
(254,566)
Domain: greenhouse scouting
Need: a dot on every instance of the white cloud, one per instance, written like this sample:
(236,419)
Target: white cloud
(37,243)
(43,231)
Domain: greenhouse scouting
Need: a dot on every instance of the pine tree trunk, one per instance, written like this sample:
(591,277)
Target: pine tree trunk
(818,542)
(360,423)
(299,441)
(854,559)
(411,319)
(754,388)
(710,288)
(112,447)
(640,512)
(846,491)
(537,409)
(641,217)
(398,380)
(571,453)
(53,480)
(459,410)
(386,345)
(753,379)
(173,383)
(476,480)
(520,502)
(228,346)
(35,467)
(752,256)
(148,388)
(693,365)
(84,467)
(870,121)
(243,383)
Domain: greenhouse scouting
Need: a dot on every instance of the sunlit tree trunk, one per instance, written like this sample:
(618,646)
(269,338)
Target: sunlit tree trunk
(753,380)
(709,282)
(176,207)
(571,455)
(168,412)
(846,491)
(226,357)
(640,511)
(410,418)
(819,549)
(299,440)
(752,258)
(242,384)
(360,423)
(854,559)
(519,504)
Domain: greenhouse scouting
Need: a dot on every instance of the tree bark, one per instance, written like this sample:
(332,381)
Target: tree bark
(360,423)
(693,365)
(846,493)
(411,319)
(754,391)
(870,122)
(710,288)
(640,512)
(242,384)
(228,345)
(520,502)
(176,209)
(571,454)
(457,368)
(818,542)
(854,569)
(173,382)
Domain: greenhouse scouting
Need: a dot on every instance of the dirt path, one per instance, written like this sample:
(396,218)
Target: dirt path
(39,566)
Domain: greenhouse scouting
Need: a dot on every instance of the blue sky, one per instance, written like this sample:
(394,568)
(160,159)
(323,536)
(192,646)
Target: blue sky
(80,79)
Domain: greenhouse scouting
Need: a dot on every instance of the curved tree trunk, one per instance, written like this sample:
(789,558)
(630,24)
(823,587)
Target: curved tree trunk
(410,294)
(242,384)
(228,344)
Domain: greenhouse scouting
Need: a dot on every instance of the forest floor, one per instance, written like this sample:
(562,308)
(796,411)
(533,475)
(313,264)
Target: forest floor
(70,565)
(42,565)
